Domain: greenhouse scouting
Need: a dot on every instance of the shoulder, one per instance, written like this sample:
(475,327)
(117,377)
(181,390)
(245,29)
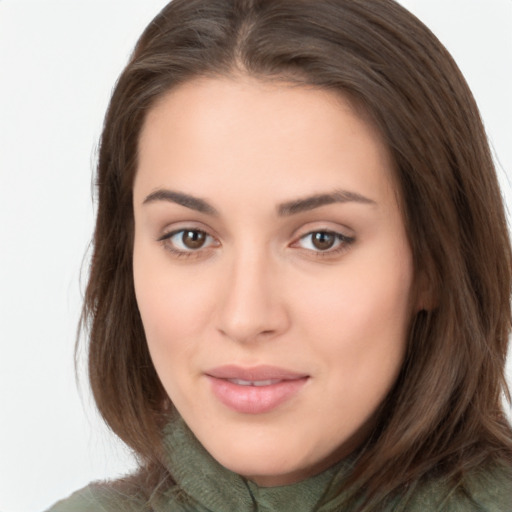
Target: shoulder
(487,489)
(491,489)
(100,497)
(125,496)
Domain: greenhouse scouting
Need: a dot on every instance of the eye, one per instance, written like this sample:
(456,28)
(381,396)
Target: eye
(324,241)
(187,240)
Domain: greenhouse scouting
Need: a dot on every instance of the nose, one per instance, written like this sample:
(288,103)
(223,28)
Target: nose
(251,303)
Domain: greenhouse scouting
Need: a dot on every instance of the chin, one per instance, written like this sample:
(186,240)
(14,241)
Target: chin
(273,462)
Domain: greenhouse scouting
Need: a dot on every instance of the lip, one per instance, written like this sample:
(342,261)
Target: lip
(254,390)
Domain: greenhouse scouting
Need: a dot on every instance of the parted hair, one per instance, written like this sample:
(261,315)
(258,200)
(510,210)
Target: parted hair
(445,414)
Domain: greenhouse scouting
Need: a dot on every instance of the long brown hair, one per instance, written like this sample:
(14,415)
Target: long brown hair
(445,413)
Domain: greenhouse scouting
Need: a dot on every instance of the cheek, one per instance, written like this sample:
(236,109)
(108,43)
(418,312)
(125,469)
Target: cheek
(358,320)
(358,301)
(172,306)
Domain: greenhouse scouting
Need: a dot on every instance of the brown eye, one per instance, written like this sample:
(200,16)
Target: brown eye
(187,241)
(193,239)
(323,240)
(328,242)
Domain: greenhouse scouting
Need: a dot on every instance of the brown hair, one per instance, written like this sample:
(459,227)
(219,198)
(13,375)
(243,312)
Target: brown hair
(445,413)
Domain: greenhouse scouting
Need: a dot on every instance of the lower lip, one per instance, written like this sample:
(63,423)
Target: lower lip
(255,399)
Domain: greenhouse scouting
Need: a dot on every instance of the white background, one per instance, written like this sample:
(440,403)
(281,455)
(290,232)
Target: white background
(58,63)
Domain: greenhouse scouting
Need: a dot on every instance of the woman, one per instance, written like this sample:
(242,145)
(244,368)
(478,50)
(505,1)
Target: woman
(299,297)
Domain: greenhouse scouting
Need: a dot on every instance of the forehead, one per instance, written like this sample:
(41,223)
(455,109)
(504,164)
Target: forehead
(224,130)
(202,99)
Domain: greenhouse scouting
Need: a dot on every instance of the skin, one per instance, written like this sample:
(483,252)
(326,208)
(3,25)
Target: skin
(259,291)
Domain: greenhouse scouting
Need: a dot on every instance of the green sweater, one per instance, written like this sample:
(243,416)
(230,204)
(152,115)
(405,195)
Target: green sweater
(202,485)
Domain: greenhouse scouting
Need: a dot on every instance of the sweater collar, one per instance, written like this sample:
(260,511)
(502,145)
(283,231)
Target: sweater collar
(216,489)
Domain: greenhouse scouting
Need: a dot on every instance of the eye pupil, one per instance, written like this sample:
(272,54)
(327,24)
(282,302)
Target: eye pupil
(323,241)
(193,239)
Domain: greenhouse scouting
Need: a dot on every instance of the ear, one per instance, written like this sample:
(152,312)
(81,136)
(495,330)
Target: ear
(426,293)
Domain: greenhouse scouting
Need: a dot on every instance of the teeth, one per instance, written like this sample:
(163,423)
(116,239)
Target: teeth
(241,382)
(265,382)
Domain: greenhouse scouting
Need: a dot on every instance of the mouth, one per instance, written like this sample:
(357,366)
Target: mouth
(255,390)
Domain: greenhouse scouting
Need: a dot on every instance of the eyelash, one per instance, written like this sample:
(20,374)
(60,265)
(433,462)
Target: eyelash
(183,253)
(342,242)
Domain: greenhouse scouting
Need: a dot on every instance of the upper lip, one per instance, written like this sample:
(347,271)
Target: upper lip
(255,373)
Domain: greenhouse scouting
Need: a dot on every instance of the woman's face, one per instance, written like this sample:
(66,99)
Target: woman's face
(272,271)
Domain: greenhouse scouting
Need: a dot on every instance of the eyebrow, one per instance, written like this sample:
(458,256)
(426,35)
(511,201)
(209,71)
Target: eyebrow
(284,209)
(194,203)
(317,200)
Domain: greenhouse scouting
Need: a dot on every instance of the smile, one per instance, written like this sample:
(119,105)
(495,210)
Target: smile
(255,390)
